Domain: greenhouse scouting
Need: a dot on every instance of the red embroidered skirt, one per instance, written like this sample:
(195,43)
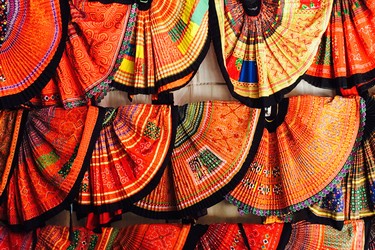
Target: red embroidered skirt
(306,150)
(241,236)
(345,56)
(95,36)
(141,236)
(53,154)
(15,240)
(128,159)
(214,141)
(167,44)
(32,48)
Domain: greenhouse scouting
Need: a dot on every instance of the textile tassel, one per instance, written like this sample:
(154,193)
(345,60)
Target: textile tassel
(71,223)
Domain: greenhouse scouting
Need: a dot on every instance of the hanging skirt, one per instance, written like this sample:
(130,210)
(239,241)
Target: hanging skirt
(166,46)
(141,236)
(262,56)
(30,49)
(316,236)
(11,127)
(354,197)
(346,52)
(240,236)
(129,157)
(215,140)
(53,155)
(306,149)
(95,35)
(15,240)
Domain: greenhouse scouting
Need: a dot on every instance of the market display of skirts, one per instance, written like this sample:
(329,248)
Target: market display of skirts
(302,165)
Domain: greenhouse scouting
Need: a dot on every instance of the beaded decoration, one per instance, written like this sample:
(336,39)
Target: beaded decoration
(3,29)
(3,20)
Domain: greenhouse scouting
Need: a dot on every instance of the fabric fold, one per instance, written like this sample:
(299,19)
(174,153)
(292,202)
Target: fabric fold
(354,197)
(307,148)
(22,79)
(262,56)
(315,236)
(241,236)
(11,130)
(95,35)
(53,155)
(128,160)
(345,56)
(133,237)
(166,44)
(215,141)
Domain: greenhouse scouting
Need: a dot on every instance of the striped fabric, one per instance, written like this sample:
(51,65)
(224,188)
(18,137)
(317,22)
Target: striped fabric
(52,156)
(214,141)
(240,236)
(346,51)
(263,56)
(166,45)
(141,236)
(10,130)
(306,236)
(15,240)
(354,198)
(128,159)
(95,33)
(32,49)
(370,237)
(305,151)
